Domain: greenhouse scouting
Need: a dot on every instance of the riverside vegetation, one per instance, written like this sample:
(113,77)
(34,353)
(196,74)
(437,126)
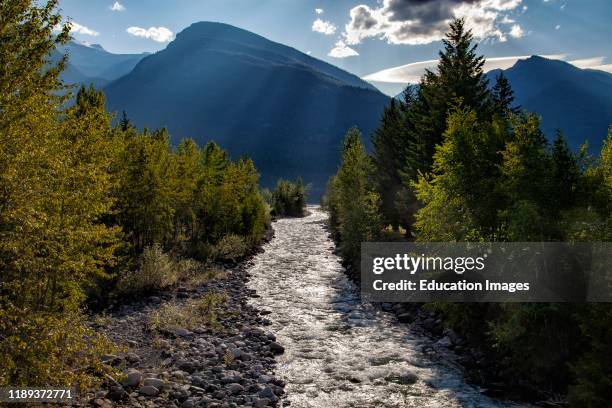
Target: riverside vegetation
(92,214)
(288,198)
(454,160)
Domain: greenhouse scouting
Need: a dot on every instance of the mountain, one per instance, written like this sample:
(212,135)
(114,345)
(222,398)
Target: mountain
(286,110)
(577,101)
(73,76)
(93,61)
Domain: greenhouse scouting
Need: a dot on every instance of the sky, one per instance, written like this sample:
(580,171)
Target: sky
(388,42)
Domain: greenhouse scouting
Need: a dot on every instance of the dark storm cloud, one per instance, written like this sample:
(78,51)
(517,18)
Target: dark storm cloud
(424,21)
(362,18)
(425,11)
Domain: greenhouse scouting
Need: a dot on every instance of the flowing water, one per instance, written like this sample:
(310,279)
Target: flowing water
(339,352)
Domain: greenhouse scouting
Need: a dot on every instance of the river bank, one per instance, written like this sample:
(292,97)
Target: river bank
(228,362)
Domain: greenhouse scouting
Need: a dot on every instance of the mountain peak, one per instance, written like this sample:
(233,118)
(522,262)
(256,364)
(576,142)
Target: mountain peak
(97,47)
(206,35)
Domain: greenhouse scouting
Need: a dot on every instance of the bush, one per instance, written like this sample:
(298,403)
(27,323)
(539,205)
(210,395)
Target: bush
(230,248)
(156,271)
(289,198)
(50,349)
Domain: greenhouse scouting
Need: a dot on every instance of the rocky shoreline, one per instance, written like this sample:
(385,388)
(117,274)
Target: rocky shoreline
(229,365)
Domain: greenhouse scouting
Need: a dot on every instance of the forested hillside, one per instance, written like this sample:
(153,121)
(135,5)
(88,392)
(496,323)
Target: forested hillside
(577,101)
(91,213)
(455,161)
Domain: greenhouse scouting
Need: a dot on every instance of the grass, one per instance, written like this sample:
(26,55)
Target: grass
(192,314)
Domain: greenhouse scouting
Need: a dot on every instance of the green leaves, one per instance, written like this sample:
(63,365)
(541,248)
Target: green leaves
(352,201)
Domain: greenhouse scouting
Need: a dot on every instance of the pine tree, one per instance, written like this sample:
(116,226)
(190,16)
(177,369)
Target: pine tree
(565,174)
(503,96)
(125,124)
(459,77)
(352,196)
(389,155)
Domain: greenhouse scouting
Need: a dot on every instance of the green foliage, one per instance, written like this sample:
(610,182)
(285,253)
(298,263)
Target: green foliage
(289,199)
(455,162)
(592,370)
(146,195)
(406,140)
(545,332)
(187,199)
(55,189)
(499,181)
(156,270)
(352,201)
(84,206)
(503,97)
(230,248)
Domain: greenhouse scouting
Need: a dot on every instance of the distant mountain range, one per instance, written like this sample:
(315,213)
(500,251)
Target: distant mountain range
(289,111)
(92,64)
(286,110)
(577,101)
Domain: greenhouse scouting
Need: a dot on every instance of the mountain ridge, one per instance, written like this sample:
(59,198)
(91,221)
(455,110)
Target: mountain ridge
(577,101)
(253,96)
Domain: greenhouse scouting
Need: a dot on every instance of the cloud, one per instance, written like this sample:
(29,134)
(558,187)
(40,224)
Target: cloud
(412,73)
(341,50)
(159,34)
(323,27)
(81,29)
(319,11)
(116,6)
(516,31)
(592,63)
(425,21)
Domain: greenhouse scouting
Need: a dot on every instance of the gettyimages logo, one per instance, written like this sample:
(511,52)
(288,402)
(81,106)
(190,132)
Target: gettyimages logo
(486,272)
(412,264)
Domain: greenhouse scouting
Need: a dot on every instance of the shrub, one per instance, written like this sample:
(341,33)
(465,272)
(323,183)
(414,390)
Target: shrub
(289,198)
(50,349)
(156,271)
(230,248)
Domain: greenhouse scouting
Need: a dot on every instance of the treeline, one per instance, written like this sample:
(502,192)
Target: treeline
(288,198)
(88,210)
(457,161)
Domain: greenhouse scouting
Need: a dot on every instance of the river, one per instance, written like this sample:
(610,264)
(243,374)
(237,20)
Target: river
(339,352)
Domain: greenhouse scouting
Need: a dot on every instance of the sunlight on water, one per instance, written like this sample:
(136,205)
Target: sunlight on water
(338,352)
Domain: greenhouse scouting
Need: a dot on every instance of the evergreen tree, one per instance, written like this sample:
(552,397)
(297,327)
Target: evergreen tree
(289,198)
(503,96)
(188,173)
(389,155)
(354,199)
(565,174)
(459,77)
(461,196)
(125,124)
(147,190)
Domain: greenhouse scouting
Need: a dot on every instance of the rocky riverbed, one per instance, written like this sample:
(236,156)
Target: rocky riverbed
(228,365)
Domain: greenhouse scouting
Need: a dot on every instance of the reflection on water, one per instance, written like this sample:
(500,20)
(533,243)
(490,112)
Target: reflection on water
(338,352)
